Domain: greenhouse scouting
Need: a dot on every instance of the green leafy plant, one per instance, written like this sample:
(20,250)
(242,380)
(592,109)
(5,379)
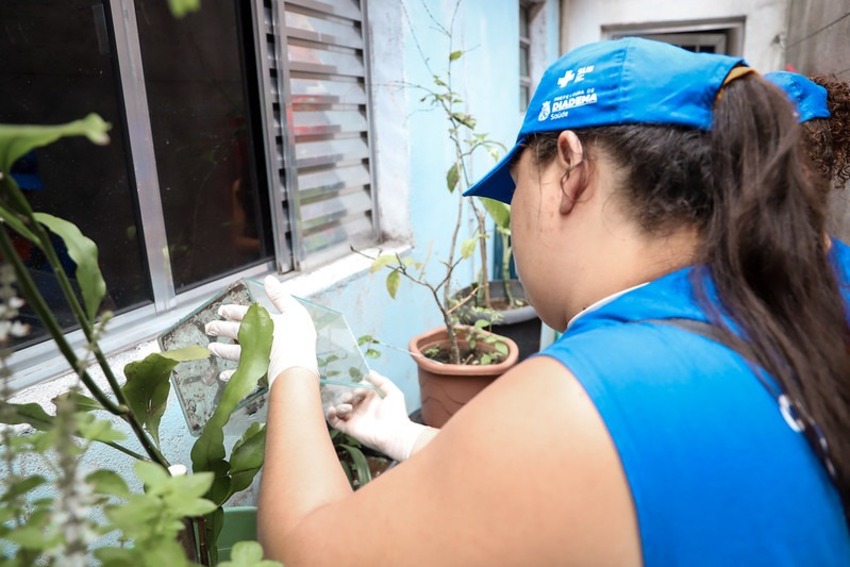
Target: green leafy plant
(59,531)
(139,403)
(359,463)
(176,520)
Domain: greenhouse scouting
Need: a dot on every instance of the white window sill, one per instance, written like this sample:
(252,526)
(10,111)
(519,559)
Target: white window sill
(44,362)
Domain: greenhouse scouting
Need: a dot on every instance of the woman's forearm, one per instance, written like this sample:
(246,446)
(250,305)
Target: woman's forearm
(425,437)
(301,472)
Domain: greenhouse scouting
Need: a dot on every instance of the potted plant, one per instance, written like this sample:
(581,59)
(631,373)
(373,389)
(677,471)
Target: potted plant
(501,300)
(461,357)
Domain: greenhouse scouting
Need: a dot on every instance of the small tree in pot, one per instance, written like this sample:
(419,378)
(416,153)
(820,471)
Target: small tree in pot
(453,348)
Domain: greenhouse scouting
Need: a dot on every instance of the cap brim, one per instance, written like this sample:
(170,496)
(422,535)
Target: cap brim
(498,183)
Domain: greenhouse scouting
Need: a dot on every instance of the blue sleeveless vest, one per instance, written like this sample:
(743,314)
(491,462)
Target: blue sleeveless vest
(839,258)
(716,474)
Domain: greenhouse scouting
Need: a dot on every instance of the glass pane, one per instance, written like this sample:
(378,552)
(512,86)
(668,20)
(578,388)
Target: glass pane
(523,20)
(58,64)
(523,98)
(198,384)
(200,76)
(523,60)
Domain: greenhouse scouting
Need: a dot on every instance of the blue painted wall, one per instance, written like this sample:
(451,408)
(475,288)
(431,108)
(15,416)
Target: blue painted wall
(486,78)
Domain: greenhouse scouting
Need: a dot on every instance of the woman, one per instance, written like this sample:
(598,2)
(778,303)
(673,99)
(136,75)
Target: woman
(648,183)
(823,108)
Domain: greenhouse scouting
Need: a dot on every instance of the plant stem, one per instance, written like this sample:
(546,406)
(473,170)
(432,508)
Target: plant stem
(39,305)
(125,450)
(484,283)
(67,289)
(34,298)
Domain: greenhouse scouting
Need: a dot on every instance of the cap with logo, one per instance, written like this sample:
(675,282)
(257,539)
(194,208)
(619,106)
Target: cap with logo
(623,81)
(808,97)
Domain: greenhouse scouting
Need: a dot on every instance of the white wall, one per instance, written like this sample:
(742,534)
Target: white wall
(764,31)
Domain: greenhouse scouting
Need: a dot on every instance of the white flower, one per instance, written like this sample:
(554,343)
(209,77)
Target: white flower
(14,328)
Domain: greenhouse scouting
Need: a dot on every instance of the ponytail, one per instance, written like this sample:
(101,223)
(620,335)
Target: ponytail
(765,245)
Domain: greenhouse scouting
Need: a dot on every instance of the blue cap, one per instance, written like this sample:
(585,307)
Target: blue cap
(623,81)
(808,97)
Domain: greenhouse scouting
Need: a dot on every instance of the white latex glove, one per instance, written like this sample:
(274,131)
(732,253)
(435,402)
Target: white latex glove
(294,340)
(379,423)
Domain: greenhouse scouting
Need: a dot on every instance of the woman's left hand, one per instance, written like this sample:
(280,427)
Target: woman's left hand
(294,340)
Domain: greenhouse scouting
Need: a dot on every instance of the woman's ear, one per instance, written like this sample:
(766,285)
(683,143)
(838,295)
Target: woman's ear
(570,156)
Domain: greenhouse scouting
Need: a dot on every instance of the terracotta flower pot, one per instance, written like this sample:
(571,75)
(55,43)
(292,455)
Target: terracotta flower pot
(445,388)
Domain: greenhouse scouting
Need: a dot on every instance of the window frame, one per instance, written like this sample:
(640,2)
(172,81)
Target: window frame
(700,32)
(43,361)
(525,7)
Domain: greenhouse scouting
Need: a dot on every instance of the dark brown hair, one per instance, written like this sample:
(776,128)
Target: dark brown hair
(828,139)
(745,187)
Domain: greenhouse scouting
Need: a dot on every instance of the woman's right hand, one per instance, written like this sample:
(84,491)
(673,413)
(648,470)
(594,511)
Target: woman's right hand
(379,422)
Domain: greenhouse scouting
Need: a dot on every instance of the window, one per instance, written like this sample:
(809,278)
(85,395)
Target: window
(201,83)
(240,138)
(524,56)
(711,36)
(323,76)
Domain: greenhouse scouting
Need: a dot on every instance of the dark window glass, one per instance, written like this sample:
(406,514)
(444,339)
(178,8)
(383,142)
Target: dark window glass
(524,97)
(523,20)
(523,60)
(524,57)
(57,64)
(204,123)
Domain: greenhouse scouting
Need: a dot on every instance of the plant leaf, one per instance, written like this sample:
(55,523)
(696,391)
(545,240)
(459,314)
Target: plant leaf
(93,429)
(83,251)
(80,402)
(32,414)
(393,280)
(455,55)
(248,554)
(17,140)
(14,489)
(180,8)
(186,354)
(467,247)
(108,482)
(246,458)
(464,119)
(452,177)
(500,212)
(188,486)
(147,389)
(152,474)
(255,336)
(360,464)
(381,261)
(30,537)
